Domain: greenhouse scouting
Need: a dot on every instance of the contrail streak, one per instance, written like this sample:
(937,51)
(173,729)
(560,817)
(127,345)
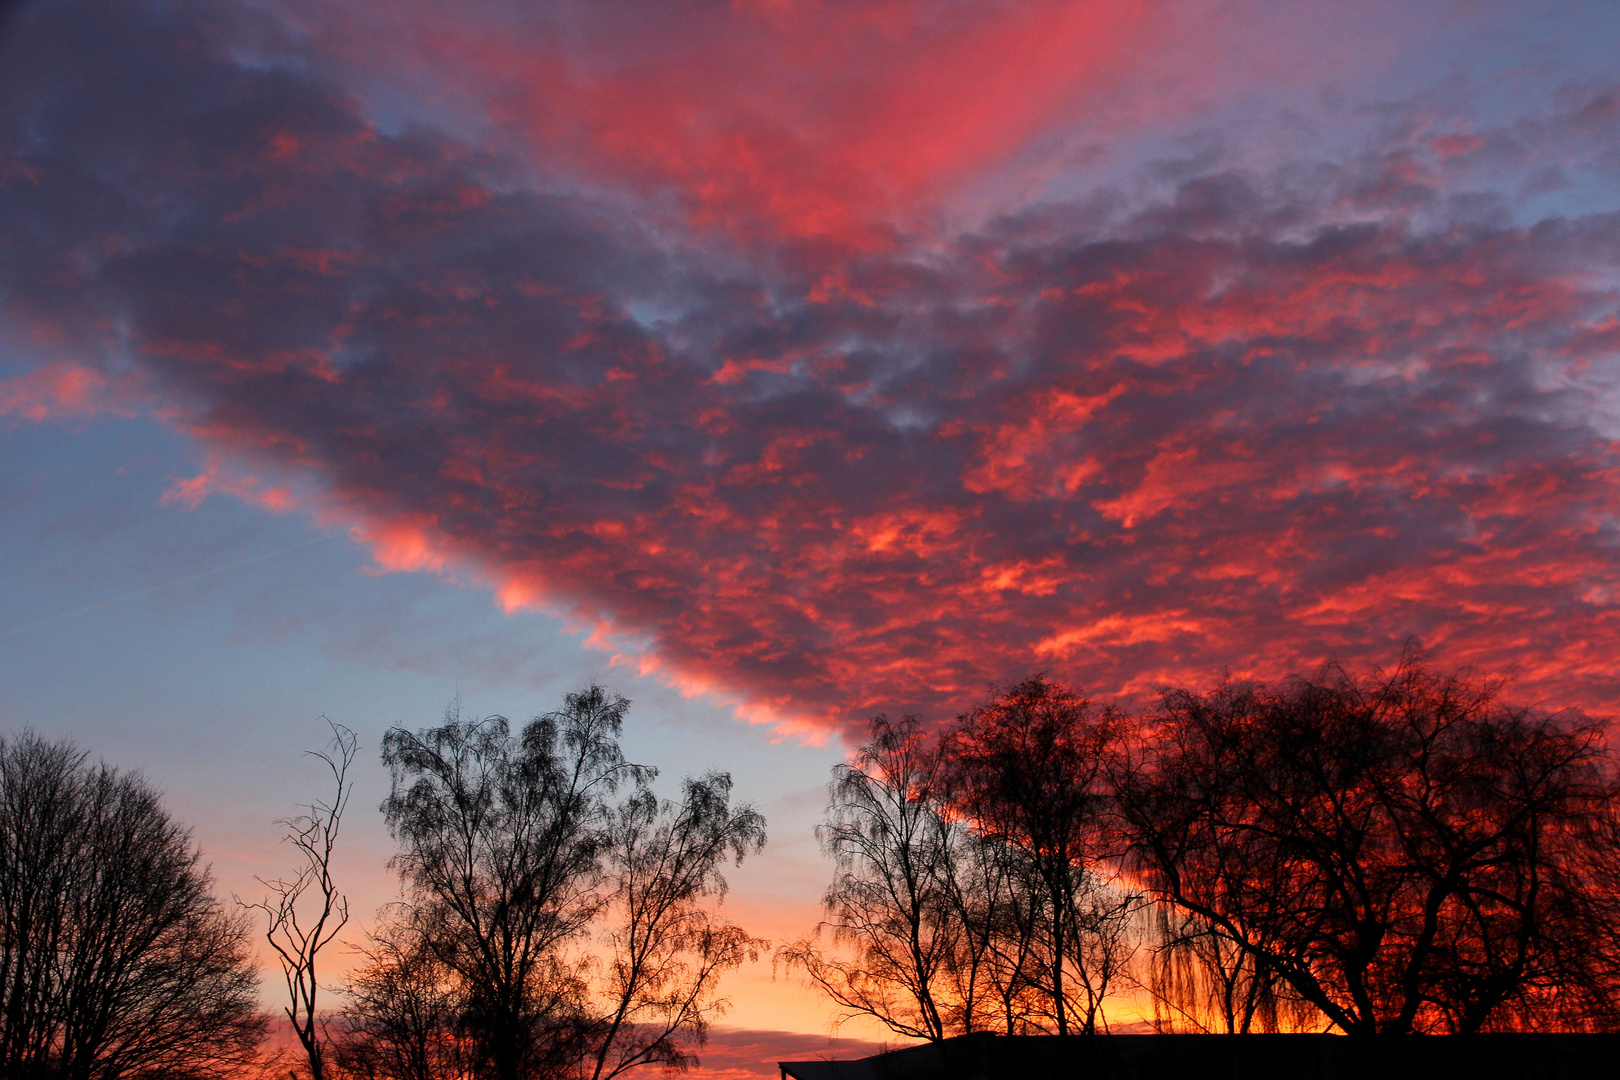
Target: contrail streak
(105,604)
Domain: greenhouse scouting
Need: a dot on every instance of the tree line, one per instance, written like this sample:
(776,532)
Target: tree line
(1391,852)
(556,918)
(1379,853)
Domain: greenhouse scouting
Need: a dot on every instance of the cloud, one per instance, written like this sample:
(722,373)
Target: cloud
(1233,415)
(58,390)
(828,125)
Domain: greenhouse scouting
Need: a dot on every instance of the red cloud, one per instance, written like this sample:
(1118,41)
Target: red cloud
(1232,420)
(827,123)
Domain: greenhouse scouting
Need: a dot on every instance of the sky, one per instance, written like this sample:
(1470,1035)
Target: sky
(782,362)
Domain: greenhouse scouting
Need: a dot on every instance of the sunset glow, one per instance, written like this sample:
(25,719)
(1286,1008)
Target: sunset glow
(812,359)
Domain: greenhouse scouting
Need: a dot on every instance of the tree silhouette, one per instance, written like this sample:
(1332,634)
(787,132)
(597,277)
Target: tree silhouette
(500,852)
(115,957)
(1030,772)
(306,912)
(1397,852)
(515,857)
(400,1021)
(973,889)
(666,949)
(889,904)
(1402,850)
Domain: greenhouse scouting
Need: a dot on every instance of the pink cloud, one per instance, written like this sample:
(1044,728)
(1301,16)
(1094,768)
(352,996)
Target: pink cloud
(1230,417)
(61,390)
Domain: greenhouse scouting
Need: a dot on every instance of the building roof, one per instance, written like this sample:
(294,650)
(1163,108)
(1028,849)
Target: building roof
(985,1056)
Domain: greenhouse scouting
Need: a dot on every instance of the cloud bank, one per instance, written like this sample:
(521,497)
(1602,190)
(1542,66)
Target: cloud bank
(747,341)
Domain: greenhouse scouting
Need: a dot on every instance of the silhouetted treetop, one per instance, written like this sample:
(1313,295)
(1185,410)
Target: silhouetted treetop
(1390,852)
(1404,849)
(116,959)
(553,923)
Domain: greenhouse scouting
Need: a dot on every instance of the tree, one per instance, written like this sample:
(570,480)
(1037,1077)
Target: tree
(306,911)
(995,977)
(972,888)
(889,904)
(1585,994)
(1404,850)
(1202,981)
(514,858)
(400,1021)
(500,853)
(1029,771)
(666,949)
(116,960)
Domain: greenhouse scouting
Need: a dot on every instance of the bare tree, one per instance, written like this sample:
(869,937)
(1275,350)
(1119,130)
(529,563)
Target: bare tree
(400,1021)
(306,912)
(1584,991)
(501,847)
(889,907)
(1401,852)
(667,949)
(973,890)
(116,960)
(516,862)
(1202,981)
(995,978)
(1029,771)
(1403,849)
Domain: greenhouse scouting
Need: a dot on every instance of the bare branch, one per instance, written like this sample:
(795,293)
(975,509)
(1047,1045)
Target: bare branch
(306,912)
